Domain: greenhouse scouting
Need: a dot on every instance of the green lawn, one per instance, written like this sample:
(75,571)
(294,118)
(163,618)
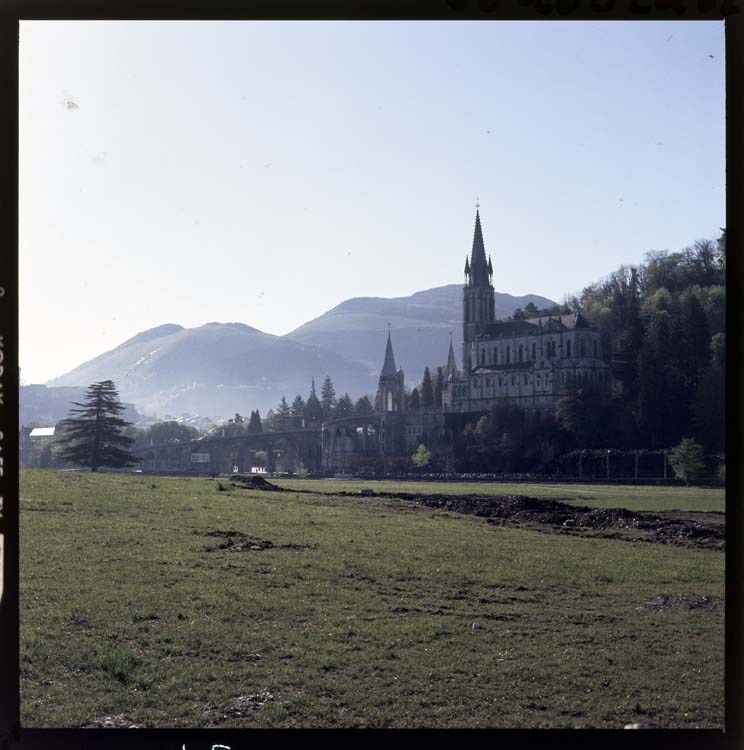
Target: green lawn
(361,614)
(642,497)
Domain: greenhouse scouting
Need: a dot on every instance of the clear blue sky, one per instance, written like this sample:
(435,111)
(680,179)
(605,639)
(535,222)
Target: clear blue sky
(263,172)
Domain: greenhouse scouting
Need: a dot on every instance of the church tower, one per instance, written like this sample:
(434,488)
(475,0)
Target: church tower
(477,299)
(390,402)
(390,384)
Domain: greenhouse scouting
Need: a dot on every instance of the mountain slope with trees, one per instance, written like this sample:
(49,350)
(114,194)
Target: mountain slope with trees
(663,327)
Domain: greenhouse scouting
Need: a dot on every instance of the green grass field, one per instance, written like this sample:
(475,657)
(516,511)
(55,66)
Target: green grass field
(136,600)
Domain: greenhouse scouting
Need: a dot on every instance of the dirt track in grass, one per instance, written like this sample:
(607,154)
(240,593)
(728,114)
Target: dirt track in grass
(706,529)
(676,527)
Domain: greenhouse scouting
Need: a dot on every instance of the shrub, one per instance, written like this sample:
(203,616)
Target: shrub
(687,460)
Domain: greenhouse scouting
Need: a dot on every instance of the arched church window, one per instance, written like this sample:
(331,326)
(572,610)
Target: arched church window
(483,356)
(583,348)
(521,352)
(508,354)
(389,401)
(568,348)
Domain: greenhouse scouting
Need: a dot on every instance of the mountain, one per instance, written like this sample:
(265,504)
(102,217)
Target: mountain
(420,326)
(216,369)
(220,368)
(40,406)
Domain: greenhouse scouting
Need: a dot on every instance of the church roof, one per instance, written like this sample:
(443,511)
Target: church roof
(509,328)
(570,321)
(388,366)
(531,326)
(478,263)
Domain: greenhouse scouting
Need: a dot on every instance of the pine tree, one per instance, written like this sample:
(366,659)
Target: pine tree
(283,416)
(313,408)
(414,401)
(439,386)
(94,436)
(254,424)
(344,407)
(328,397)
(363,407)
(427,392)
(694,340)
(298,412)
(269,422)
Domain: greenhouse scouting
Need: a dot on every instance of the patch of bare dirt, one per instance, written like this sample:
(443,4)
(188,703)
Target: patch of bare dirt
(236,541)
(703,529)
(120,721)
(681,601)
(243,705)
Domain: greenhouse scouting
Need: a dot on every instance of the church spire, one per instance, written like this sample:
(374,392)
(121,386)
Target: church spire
(478,264)
(451,366)
(388,367)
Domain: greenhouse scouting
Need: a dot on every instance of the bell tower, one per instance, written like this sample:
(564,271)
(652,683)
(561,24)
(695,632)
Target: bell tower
(390,402)
(477,298)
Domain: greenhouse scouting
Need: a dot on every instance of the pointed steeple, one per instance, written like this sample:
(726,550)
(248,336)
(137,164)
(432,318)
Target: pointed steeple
(490,268)
(451,366)
(478,264)
(467,266)
(388,368)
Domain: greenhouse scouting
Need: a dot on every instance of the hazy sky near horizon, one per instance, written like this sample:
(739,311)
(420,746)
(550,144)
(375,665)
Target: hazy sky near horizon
(263,172)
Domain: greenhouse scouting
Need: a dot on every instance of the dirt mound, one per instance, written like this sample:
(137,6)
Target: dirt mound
(668,527)
(253,482)
(681,601)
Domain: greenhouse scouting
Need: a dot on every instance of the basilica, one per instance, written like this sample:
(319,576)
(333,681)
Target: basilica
(525,362)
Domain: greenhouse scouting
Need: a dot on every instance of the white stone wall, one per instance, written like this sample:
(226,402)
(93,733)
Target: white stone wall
(538,382)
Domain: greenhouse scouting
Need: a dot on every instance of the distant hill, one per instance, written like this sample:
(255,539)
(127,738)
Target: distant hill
(420,326)
(215,369)
(220,368)
(40,406)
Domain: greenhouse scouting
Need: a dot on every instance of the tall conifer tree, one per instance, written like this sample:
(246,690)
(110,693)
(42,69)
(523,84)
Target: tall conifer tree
(94,435)
(327,397)
(313,408)
(427,392)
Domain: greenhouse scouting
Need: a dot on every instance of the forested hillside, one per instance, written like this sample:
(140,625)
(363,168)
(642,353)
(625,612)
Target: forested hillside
(663,327)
